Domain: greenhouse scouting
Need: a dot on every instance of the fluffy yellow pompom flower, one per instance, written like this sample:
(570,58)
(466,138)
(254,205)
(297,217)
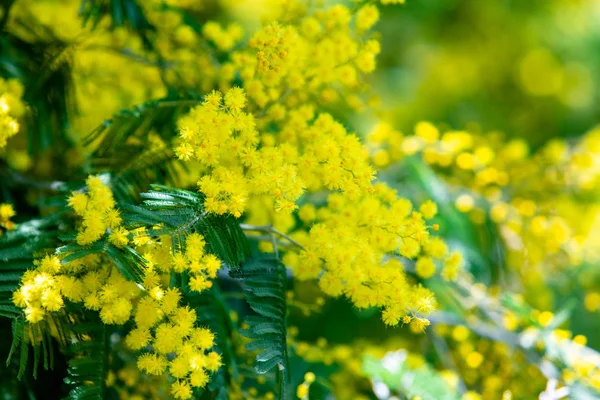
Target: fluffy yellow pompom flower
(302,391)
(171,300)
(148,313)
(181,390)
(179,367)
(199,283)
(203,338)
(11,107)
(6,213)
(50,264)
(391,315)
(152,364)
(138,338)
(119,237)
(78,202)
(429,209)
(366,17)
(199,378)
(213,361)
(34,314)
(425,267)
(235,99)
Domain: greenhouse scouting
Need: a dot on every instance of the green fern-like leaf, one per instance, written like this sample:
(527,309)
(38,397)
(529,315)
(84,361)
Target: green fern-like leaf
(88,365)
(36,337)
(265,283)
(129,126)
(17,251)
(121,12)
(126,260)
(42,63)
(135,146)
(180,212)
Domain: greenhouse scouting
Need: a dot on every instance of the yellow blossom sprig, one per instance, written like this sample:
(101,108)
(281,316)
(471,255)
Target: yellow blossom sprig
(165,328)
(239,169)
(11,108)
(522,192)
(262,146)
(6,213)
(161,325)
(224,139)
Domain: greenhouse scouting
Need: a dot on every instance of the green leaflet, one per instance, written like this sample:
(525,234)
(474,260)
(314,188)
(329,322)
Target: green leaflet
(41,64)
(265,283)
(113,134)
(181,212)
(122,13)
(88,365)
(36,335)
(126,260)
(17,251)
(123,146)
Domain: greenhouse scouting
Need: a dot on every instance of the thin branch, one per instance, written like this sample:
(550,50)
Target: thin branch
(269,229)
(20,179)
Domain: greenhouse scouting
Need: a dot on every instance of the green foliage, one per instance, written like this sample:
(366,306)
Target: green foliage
(134,145)
(136,123)
(178,213)
(88,366)
(121,12)
(42,64)
(265,282)
(38,338)
(17,251)
(127,261)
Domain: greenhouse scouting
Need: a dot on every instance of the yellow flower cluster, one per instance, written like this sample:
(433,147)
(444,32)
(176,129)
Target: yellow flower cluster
(316,53)
(90,281)
(97,208)
(351,248)
(491,368)
(224,139)
(11,108)
(524,193)
(350,237)
(169,329)
(262,146)
(162,326)
(6,213)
